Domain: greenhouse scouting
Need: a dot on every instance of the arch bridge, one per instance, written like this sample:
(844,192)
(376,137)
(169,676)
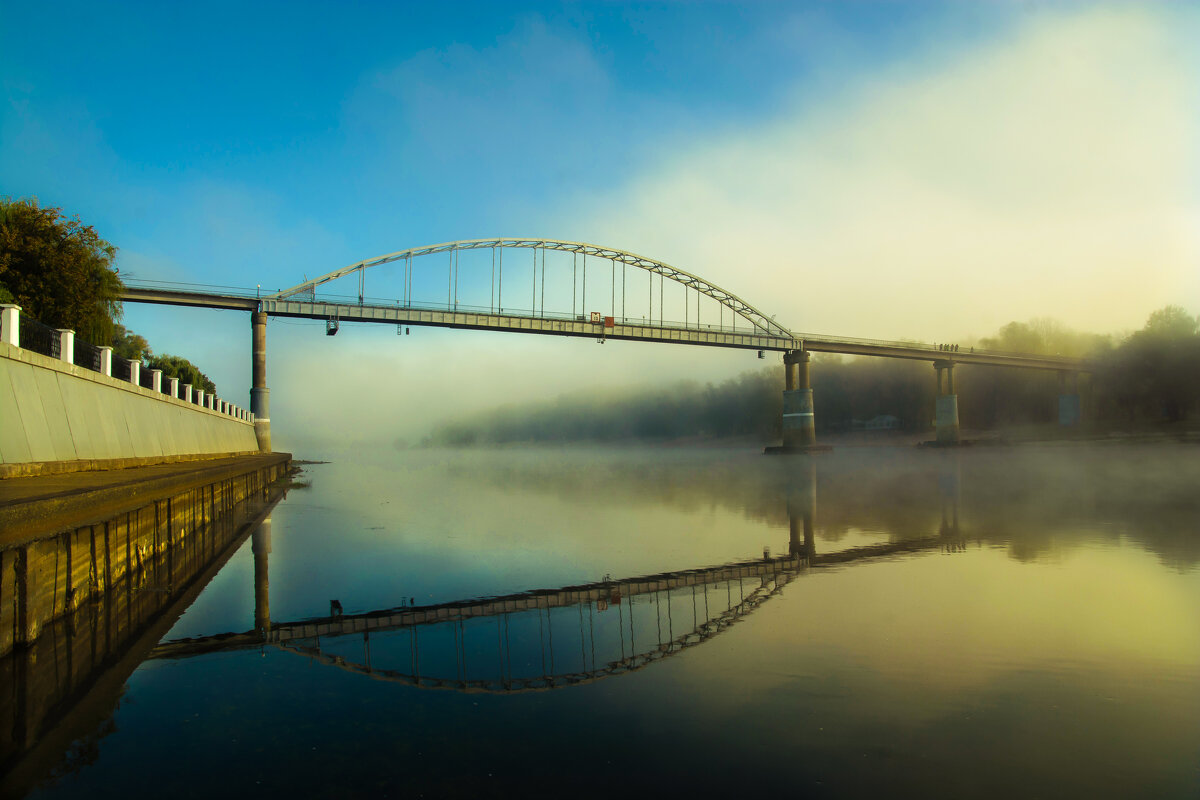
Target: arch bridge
(564,288)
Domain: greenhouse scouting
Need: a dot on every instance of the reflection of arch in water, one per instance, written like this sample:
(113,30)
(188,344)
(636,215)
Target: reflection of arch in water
(549,638)
(525,642)
(567,645)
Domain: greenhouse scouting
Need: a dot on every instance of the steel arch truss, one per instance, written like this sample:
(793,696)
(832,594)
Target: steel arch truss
(727,299)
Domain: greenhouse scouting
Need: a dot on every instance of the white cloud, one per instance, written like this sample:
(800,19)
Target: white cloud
(1050,173)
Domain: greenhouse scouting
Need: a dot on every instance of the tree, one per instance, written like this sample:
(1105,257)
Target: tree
(129,345)
(181,368)
(1171,322)
(58,269)
(1156,371)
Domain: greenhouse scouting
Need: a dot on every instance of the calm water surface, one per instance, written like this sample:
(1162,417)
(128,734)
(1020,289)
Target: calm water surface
(875,622)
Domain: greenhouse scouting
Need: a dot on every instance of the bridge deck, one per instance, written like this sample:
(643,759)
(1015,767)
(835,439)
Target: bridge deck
(623,329)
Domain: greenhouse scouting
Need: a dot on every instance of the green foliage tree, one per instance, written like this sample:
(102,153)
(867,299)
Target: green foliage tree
(181,368)
(129,345)
(1155,372)
(58,269)
(1043,337)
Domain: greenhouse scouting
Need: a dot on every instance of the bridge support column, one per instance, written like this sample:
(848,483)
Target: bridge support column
(259,393)
(799,419)
(1068,399)
(261,545)
(946,411)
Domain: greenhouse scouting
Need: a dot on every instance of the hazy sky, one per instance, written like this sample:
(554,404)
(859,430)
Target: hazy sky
(889,170)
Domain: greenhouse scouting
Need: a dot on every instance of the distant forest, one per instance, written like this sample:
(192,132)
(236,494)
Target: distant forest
(1150,375)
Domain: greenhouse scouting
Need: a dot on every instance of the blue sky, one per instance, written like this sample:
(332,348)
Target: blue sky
(890,169)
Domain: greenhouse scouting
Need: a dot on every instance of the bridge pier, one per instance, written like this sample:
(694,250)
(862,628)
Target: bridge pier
(259,393)
(1069,411)
(799,420)
(946,410)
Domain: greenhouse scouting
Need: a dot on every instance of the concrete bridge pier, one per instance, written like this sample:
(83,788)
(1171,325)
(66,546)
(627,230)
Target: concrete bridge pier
(946,410)
(260,544)
(1069,411)
(259,393)
(799,420)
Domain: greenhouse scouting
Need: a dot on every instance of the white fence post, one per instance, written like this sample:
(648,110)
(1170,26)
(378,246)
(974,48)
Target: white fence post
(66,345)
(10,324)
(106,361)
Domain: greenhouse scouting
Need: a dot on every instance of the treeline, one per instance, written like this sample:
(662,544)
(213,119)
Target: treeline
(1150,375)
(61,273)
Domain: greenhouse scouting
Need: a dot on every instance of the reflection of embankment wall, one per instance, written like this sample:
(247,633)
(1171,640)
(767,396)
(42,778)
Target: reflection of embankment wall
(51,411)
(52,577)
(72,605)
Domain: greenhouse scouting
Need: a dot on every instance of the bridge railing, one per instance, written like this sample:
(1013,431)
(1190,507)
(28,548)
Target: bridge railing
(24,332)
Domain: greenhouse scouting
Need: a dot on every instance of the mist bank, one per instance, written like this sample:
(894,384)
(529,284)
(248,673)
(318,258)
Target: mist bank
(1146,377)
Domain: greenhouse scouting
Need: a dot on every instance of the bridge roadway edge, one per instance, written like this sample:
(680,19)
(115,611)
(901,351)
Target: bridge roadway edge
(625,330)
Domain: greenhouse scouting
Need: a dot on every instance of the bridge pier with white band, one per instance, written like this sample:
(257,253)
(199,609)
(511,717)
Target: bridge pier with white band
(799,419)
(946,410)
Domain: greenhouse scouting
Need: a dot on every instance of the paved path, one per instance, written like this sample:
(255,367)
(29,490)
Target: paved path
(45,504)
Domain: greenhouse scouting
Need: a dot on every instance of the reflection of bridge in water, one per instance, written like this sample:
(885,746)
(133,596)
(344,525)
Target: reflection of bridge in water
(65,687)
(546,638)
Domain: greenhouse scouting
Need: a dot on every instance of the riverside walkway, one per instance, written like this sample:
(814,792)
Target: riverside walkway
(32,507)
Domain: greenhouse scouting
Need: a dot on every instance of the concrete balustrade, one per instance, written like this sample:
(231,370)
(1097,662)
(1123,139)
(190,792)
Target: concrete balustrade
(67,416)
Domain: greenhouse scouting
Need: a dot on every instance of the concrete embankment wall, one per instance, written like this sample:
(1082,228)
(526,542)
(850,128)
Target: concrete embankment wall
(54,412)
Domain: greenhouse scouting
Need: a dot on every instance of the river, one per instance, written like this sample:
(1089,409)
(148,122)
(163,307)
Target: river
(986,622)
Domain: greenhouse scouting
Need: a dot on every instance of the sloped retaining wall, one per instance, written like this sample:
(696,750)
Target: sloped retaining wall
(60,416)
